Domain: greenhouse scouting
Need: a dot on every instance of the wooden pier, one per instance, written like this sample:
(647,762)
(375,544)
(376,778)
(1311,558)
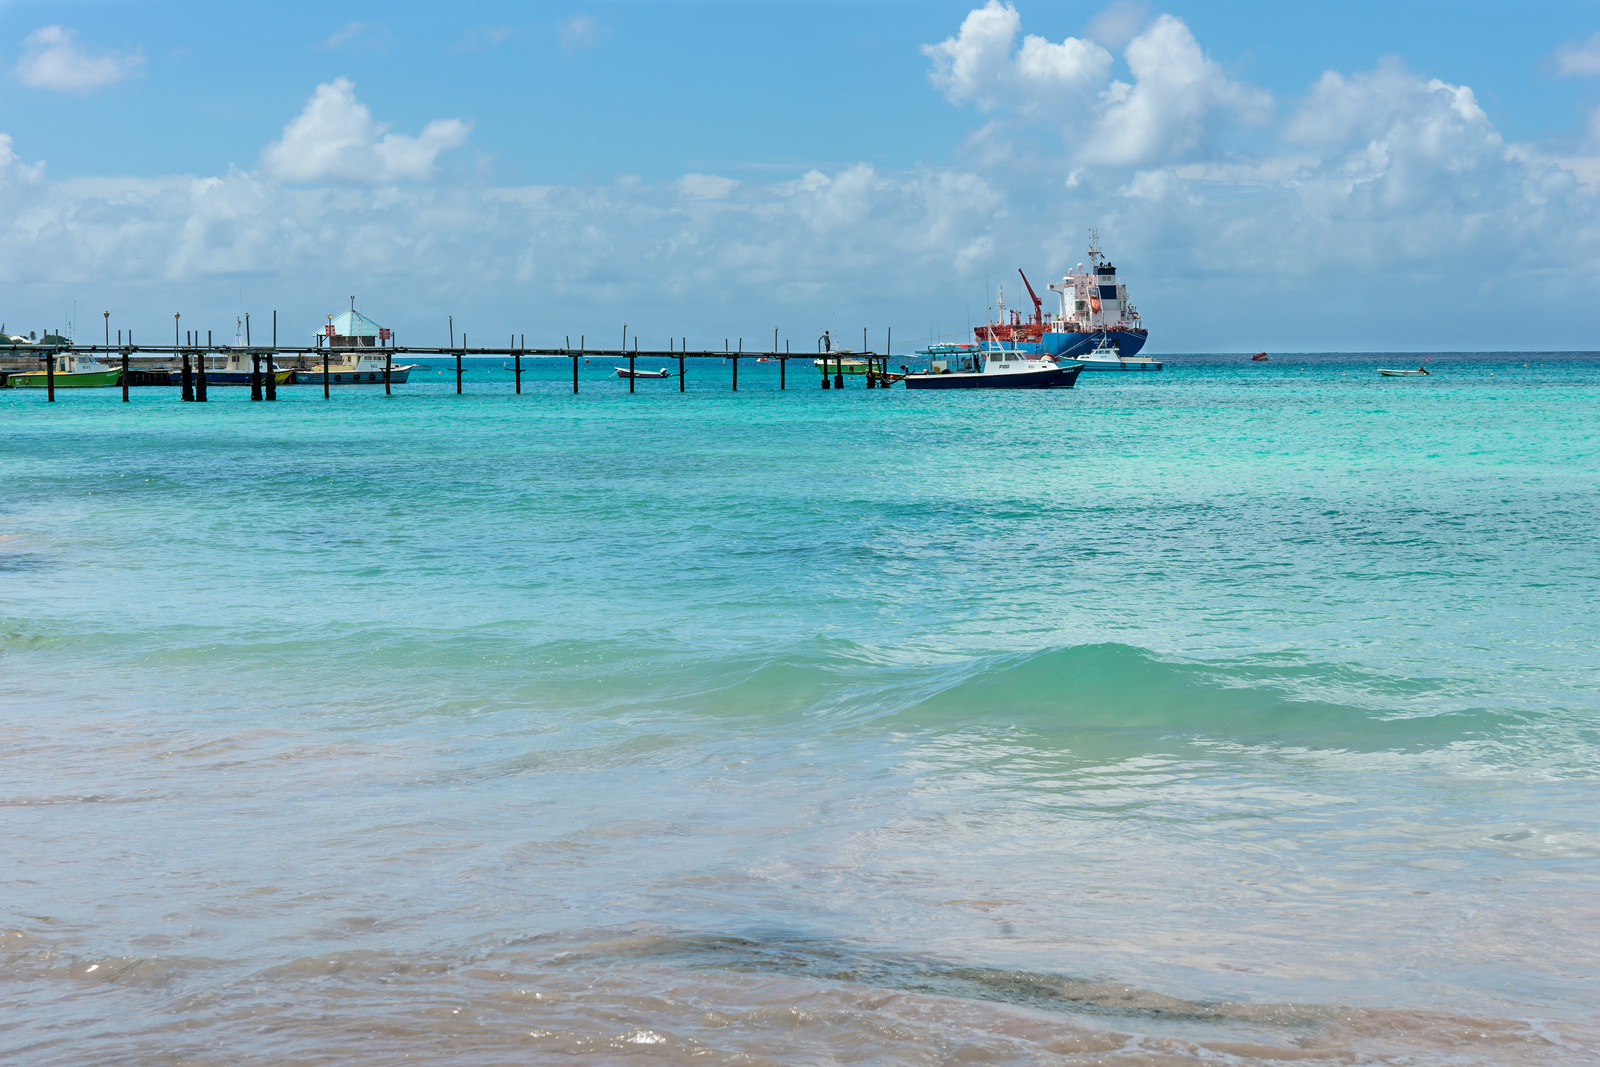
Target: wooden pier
(189,360)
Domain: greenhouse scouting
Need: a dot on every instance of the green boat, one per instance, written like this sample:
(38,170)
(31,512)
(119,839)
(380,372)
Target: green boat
(78,373)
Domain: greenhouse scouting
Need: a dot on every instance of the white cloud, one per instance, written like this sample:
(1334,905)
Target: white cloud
(1173,103)
(1581,60)
(1040,78)
(1176,100)
(12,169)
(1394,135)
(706,186)
(52,59)
(579,32)
(1117,24)
(360,37)
(336,139)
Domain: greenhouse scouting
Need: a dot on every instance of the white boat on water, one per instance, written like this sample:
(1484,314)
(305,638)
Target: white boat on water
(356,357)
(1107,356)
(624,372)
(1418,373)
(997,368)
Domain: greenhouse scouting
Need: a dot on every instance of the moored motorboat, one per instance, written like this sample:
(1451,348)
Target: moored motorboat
(367,370)
(843,363)
(358,357)
(1420,372)
(998,368)
(280,375)
(1107,356)
(77,372)
(624,372)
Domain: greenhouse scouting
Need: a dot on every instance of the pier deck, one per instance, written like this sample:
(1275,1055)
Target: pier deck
(156,362)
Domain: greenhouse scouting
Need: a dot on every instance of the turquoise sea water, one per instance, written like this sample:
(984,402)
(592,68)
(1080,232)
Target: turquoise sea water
(1234,713)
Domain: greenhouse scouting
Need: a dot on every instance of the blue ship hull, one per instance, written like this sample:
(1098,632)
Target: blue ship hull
(1071,345)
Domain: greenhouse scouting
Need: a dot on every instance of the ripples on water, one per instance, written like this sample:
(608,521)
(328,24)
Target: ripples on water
(1235,713)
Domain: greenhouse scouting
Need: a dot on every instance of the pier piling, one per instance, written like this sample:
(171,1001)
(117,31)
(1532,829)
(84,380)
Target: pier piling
(200,368)
(50,377)
(460,350)
(388,361)
(124,369)
(631,359)
(325,392)
(272,362)
(681,351)
(736,363)
(519,362)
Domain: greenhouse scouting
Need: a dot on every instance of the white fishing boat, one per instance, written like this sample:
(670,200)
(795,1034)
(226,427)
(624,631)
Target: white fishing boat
(1418,373)
(624,372)
(997,368)
(355,354)
(1107,356)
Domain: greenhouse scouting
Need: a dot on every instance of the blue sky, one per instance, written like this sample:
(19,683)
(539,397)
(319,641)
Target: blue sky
(1296,177)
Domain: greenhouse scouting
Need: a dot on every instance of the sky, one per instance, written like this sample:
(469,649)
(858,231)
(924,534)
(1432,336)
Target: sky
(1351,176)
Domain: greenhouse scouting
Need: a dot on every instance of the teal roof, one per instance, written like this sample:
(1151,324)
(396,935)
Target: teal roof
(354,324)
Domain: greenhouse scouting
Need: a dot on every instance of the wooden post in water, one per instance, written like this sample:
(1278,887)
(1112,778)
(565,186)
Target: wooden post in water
(326,377)
(518,362)
(255,363)
(631,357)
(124,368)
(783,367)
(186,384)
(388,363)
(681,351)
(736,363)
(272,362)
(574,364)
(50,376)
(200,366)
(460,350)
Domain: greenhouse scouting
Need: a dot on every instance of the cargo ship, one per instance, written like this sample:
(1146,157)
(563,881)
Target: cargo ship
(1095,313)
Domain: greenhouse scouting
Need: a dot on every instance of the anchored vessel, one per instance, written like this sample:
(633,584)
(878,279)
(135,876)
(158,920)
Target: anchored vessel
(1095,311)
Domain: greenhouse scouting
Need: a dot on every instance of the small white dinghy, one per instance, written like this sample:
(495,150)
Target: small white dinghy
(624,372)
(1418,373)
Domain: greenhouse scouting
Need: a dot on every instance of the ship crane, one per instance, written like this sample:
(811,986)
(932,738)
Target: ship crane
(1038,305)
